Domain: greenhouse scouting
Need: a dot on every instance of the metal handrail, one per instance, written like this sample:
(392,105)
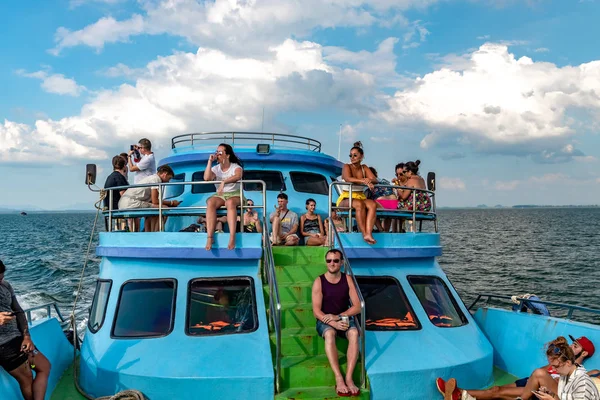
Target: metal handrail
(571,308)
(190,138)
(348,271)
(274,300)
(162,185)
(355,188)
(48,307)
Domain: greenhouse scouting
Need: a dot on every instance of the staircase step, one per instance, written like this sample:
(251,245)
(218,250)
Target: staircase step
(319,392)
(299,255)
(298,274)
(301,372)
(293,293)
(304,342)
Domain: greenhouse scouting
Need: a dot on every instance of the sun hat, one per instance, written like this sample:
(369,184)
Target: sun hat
(586,344)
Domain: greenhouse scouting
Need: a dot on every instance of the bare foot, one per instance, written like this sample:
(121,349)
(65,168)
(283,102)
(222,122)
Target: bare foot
(352,388)
(209,243)
(231,244)
(369,239)
(450,388)
(340,387)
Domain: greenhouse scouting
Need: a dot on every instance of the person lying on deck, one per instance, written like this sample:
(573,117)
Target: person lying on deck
(546,376)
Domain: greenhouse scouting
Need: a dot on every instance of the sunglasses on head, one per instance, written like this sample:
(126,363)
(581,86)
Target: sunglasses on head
(332,260)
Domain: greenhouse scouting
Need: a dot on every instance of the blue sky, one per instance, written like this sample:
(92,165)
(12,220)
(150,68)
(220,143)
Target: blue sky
(500,98)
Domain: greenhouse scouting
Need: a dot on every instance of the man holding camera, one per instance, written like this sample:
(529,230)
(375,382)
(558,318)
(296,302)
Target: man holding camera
(141,160)
(18,355)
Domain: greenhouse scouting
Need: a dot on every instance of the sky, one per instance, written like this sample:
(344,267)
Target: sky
(501,98)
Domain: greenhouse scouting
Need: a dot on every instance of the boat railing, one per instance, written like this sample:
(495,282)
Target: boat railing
(569,308)
(47,308)
(274,300)
(413,215)
(350,273)
(254,138)
(161,211)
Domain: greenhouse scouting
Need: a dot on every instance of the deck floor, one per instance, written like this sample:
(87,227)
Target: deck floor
(65,390)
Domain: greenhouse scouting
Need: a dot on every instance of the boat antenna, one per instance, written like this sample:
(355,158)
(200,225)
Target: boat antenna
(262,129)
(340,143)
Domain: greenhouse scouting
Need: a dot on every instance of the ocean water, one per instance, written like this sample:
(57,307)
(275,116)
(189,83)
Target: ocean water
(552,252)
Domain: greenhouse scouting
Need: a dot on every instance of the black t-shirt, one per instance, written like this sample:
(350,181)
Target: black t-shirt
(113,180)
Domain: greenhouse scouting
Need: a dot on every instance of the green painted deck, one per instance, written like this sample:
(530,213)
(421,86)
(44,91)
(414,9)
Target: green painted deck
(65,390)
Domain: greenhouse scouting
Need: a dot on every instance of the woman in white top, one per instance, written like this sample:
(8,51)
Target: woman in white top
(229,171)
(574,382)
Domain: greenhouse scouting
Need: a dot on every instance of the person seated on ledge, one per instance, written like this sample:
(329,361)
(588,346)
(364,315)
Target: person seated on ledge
(582,348)
(251,220)
(18,354)
(284,223)
(229,171)
(311,226)
(366,209)
(420,201)
(338,222)
(148,197)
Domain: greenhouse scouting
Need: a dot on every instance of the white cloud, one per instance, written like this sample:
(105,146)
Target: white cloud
(506,185)
(244,26)
(122,70)
(483,37)
(415,36)
(539,181)
(542,50)
(381,139)
(448,183)
(54,83)
(500,104)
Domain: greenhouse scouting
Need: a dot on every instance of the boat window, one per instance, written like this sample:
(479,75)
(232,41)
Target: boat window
(98,309)
(198,176)
(309,182)
(386,305)
(175,190)
(273,179)
(220,306)
(145,309)
(438,302)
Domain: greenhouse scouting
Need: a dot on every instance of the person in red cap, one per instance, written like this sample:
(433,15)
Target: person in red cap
(583,348)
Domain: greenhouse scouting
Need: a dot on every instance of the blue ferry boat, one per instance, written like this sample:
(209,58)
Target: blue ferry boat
(175,321)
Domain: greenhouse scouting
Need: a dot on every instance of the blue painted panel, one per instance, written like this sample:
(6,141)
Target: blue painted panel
(519,339)
(392,245)
(404,364)
(49,338)
(177,365)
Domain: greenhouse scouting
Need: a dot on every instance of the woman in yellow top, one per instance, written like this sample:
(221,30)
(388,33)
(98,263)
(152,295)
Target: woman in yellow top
(359,174)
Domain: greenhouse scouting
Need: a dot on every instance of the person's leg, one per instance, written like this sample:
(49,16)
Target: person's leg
(276,225)
(211,218)
(24,377)
(352,357)
(360,214)
(332,355)
(292,240)
(232,204)
(371,207)
(42,372)
(539,377)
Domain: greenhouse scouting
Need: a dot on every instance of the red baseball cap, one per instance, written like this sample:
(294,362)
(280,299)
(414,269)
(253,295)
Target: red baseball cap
(586,344)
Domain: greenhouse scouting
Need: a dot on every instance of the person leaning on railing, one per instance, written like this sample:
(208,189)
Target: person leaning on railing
(409,199)
(116,179)
(228,171)
(149,197)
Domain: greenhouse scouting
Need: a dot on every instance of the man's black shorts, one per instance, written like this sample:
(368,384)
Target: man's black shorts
(11,355)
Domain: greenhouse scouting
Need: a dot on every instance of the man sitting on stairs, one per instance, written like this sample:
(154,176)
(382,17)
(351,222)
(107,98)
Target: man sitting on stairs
(335,303)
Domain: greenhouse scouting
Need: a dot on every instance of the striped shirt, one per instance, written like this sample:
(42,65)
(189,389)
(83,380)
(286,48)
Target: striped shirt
(577,386)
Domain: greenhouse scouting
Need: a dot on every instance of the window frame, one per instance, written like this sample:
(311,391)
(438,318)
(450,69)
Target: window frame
(173,309)
(283,187)
(194,186)
(463,317)
(411,309)
(224,278)
(98,282)
(177,178)
(326,187)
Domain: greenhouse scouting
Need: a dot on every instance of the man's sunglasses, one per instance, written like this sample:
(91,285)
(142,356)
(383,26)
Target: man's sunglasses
(332,260)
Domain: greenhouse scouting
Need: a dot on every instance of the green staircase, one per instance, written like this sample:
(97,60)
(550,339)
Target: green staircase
(305,370)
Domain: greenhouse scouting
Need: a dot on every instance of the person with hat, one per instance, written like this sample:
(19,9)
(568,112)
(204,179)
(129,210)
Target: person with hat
(547,376)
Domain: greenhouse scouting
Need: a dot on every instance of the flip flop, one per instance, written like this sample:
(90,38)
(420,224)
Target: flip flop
(340,394)
(441,386)
(355,394)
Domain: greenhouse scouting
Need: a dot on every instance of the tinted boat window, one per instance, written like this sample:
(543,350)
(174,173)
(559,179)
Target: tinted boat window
(199,177)
(438,302)
(308,182)
(273,179)
(98,309)
(387,308)
(145,309)
(175,190)
(221,306)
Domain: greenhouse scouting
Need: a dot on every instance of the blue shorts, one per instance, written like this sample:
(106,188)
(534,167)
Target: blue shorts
(323,327)
(521,382)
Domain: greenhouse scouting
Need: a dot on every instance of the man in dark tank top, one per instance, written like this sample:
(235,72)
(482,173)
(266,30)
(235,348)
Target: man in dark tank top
(335,303)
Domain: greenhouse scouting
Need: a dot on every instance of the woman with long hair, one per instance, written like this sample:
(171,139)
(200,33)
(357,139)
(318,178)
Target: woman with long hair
(413,200)
(359,174)
(311,226)
(229,171)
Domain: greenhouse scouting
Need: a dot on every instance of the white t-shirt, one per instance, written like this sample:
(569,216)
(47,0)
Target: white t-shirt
(143,193)
(577,386)
(147,166)
(221,176)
